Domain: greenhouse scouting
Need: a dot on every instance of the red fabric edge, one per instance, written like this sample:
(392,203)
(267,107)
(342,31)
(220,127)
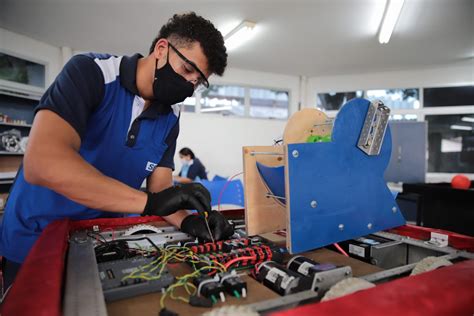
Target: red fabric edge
(37,289)
(455,240)
(113,222)
(446,291)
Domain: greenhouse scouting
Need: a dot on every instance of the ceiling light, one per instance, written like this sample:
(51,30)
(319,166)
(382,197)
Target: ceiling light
(461,127)
(467,119)
(239,34)
(392,12)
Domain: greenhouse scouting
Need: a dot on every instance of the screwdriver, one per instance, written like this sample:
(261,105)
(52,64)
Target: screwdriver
(206,214)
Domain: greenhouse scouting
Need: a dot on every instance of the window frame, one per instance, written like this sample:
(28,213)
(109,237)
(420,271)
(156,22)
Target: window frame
(198,96)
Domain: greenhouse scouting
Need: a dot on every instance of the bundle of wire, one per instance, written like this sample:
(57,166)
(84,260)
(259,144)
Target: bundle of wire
(177,254)
(201,263)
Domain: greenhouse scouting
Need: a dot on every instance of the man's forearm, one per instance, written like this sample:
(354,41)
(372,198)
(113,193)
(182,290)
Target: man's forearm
(52,160)
(79,181)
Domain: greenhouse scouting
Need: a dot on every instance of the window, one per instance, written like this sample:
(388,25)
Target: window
(396,99)
(227,100)
(451,143)
(21,71)
(267,103)
(189,104)
(334,100)
(403,117)
(448,96)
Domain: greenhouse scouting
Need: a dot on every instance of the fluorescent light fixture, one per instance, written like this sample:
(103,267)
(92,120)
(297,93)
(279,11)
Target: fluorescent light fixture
(217,109)
(467,119)
(239,34)
(392,12)
(461,127)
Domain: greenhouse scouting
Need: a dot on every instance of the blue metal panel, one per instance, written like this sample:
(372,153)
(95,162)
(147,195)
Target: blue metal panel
(336,191)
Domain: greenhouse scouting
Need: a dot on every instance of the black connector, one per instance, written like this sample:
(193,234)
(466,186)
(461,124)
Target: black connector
(199,301)
(210,287)
(167,312)
(233,284)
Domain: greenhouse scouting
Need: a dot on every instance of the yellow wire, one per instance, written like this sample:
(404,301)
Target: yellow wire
(175,254)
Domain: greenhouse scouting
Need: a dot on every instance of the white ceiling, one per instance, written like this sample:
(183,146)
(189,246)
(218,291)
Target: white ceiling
(302,37)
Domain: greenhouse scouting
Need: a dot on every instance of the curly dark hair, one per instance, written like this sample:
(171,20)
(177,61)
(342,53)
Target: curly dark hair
(190,27)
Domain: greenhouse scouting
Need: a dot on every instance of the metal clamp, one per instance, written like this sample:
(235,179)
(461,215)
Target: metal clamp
(375,126)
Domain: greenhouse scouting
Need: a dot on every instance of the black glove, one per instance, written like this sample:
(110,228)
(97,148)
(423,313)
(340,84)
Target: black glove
(189,196)
(195,225)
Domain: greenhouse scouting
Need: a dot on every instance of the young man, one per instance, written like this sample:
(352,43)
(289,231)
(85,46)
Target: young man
(105,125)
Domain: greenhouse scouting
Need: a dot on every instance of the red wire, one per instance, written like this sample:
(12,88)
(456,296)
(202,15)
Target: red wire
(341,250)
(231,262)
(223,189)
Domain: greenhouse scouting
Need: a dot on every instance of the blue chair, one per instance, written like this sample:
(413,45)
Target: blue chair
(231,193)
(219,178)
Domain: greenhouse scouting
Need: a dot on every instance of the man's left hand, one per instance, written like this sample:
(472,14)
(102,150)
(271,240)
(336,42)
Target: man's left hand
(195,225)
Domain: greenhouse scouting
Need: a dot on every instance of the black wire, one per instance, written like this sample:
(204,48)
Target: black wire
(119,245)
(95,234)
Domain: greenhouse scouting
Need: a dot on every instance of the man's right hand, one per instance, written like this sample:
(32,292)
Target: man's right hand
(189,196)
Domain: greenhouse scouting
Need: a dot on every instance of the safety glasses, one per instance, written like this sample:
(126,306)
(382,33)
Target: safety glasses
(202,84)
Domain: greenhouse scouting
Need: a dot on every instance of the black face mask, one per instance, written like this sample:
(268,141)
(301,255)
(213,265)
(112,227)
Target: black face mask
(169,87)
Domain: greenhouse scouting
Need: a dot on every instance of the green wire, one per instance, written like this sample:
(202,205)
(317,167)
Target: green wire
(213,299)
(236,294)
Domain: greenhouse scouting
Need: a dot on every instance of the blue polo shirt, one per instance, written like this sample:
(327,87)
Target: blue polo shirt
(97,95)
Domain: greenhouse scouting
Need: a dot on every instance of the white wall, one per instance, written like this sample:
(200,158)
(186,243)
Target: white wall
(217,141)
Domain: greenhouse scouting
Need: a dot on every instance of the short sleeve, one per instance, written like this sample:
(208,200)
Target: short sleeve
(168,157)
(76,92)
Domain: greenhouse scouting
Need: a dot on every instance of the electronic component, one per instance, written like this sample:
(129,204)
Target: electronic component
(111,251)
(210,287)
(200,301)
(308,267)
(361,248)
(10,140)
(233,284)
(117,283)
(323,275)
(281,280)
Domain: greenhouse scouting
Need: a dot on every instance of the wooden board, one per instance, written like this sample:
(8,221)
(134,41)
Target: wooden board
(305,123)
(150,304)
(262,214)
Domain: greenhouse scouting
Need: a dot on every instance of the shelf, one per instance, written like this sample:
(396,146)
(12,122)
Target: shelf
(7,153)
(8,175)
(15,125)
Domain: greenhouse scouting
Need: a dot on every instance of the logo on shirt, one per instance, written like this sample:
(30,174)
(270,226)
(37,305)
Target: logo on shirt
(150,166)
